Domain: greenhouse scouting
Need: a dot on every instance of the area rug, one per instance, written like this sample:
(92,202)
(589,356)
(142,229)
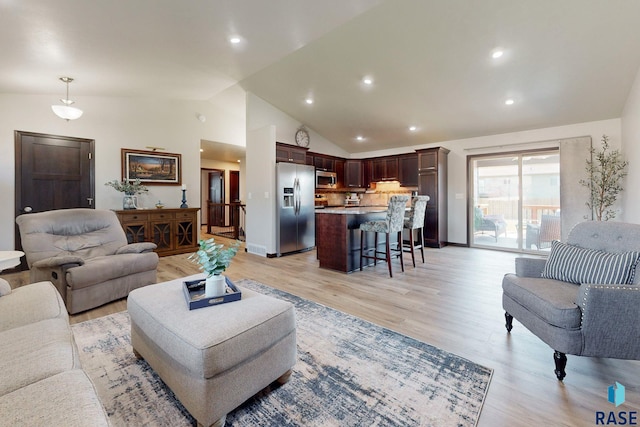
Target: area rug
(349,373)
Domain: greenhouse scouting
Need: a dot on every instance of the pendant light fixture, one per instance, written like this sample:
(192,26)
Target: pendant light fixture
(66,111)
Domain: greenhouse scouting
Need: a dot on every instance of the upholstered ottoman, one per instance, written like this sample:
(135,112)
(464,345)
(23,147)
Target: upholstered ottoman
(217,357)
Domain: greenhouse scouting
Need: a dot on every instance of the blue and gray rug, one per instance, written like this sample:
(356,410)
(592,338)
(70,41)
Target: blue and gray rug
(350,373)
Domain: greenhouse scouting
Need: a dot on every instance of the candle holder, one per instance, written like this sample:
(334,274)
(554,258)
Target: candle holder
(184,199)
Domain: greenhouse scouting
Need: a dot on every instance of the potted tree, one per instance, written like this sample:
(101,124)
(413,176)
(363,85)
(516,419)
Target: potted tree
(213,259)
(606,169)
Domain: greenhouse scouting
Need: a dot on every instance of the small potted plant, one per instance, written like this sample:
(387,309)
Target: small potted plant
(213,259)
(130,189)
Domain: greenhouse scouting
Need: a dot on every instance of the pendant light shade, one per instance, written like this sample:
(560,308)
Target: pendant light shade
(66,111)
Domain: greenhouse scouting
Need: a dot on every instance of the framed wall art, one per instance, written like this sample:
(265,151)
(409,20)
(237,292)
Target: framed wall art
(152,167)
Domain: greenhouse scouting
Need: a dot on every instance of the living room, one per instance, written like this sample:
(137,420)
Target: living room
(524,392)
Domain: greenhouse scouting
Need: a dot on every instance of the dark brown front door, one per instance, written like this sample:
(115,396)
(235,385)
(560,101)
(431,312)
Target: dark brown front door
(53,172)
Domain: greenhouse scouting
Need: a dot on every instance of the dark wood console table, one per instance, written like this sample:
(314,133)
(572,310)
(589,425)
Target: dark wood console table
(175,231)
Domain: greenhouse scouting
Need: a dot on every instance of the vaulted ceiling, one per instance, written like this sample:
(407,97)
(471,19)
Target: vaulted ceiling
(430,61)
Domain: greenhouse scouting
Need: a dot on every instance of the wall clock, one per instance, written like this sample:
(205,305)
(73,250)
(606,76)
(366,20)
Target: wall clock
(302,137)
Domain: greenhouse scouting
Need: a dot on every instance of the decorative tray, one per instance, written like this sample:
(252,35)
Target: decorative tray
(194,294)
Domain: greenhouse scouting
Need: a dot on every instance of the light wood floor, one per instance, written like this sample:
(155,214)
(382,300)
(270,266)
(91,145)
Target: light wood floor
(453,301)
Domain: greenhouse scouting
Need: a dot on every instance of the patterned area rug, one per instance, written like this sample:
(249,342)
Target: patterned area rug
(349,373)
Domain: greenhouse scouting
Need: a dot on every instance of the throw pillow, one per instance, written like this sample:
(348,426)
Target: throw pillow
(580,265)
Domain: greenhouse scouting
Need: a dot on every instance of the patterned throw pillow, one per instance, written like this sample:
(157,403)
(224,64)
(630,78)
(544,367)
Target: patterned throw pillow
(579,265)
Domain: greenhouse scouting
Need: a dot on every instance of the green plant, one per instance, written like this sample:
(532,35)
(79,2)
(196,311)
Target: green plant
(212,257)
(606,169)
(127,186)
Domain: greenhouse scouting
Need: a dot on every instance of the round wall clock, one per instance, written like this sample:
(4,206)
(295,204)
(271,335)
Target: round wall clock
(302,137)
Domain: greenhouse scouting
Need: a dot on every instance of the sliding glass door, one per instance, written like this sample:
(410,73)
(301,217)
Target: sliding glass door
(515,200)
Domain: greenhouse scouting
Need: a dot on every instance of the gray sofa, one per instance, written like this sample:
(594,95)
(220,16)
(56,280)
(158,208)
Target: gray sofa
(584,299)
(41,380)
(85,254)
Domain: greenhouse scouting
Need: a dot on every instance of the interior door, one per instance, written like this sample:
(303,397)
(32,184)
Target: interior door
(216,195)
(52,172)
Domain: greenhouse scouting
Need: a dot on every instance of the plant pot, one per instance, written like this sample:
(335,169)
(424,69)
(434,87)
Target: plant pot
(129,201)
(214,286)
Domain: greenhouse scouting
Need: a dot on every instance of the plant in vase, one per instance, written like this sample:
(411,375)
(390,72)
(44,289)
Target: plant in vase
(213,259)
(130,189)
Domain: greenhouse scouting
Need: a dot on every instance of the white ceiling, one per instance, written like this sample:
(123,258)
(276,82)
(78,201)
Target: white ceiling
(565,62)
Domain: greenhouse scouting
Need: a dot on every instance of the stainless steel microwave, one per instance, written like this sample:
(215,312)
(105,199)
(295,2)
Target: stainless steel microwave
(325,179)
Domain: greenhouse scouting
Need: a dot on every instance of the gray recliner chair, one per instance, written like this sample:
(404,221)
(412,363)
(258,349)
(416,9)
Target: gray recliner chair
(85,254)
(585,298)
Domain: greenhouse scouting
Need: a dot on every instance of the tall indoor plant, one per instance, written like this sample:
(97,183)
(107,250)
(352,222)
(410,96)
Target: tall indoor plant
(213,259)
(606,169)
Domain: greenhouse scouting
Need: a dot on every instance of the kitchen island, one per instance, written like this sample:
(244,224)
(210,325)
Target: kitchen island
(338,236)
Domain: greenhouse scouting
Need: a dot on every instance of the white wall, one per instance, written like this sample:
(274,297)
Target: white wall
(261,186)
(631,152)
(115,123)
(260,113)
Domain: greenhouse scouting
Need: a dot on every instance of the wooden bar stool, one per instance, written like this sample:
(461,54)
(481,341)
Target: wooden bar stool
(392,224)
(415,221)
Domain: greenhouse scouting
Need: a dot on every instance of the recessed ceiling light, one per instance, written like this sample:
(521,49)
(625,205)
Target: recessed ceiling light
(309,101)
(367,81)
(413,128)
(202,150)
(234,39)
(360,138)
(497,53)
(509,102)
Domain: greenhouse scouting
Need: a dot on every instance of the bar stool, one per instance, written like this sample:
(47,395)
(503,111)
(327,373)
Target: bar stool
(392,224)
(415,221)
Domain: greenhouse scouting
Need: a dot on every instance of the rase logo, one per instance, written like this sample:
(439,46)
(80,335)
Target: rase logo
(615,395)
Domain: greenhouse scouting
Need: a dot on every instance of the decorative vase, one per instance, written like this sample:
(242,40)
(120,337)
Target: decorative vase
(129,201)
(214,286)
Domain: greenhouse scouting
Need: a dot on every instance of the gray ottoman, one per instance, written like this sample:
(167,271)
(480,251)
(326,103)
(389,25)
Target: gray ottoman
(213,358)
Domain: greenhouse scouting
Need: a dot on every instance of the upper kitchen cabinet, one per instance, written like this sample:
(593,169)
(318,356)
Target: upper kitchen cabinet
(324,163)
(408,169)
(384,169)
(339,170)
(353,174)
(432,182)
(291,153)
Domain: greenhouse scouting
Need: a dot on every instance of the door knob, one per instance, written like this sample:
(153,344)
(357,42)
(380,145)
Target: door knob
(28,209)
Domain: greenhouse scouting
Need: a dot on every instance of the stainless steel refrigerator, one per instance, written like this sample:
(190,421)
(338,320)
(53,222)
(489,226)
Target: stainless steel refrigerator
(296,220)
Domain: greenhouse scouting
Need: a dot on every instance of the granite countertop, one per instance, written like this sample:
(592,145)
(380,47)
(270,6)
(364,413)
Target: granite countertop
(352,210)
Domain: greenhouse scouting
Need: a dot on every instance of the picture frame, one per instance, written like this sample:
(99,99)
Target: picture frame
(151,167)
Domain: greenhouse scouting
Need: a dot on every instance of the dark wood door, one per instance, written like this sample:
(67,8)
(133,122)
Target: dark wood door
(52,172)
(216,195)
(234,186)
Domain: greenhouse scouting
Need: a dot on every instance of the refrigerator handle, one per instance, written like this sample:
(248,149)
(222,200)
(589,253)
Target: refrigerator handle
(296,196)
(299,197)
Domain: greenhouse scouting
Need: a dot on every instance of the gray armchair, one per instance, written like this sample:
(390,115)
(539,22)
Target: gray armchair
(84,253)
(584,299)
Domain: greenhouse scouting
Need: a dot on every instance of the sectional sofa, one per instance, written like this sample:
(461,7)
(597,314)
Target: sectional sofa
(41,380)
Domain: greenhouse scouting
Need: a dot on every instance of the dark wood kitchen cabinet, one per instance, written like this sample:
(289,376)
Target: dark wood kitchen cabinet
(384,168)
(432,182)
(408,169)
(290,153)
(324,163)
(353,174)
